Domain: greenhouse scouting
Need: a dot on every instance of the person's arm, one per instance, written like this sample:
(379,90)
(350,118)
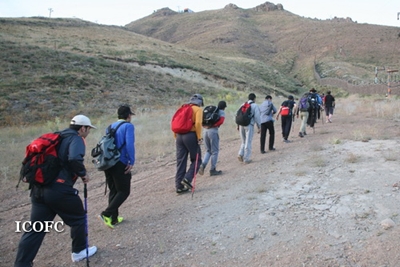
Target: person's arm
(198,122)
(76,152)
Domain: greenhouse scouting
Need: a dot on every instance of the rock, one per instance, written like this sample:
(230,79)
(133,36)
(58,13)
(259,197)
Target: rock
(387,224)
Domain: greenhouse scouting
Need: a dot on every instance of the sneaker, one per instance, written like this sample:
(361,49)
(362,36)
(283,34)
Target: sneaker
(240,158)
(272,149)
(107,221)
(247,161)
(119,220)
(263,152)
(301,134)
(180,191)
(186,183)
(215,172)
(286,141)
(201,169)
(304,133)
(82,255)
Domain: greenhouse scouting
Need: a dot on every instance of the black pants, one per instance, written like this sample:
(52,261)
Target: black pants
(186,145)
(119,184)
(269,125)
(47,202)
(286,125)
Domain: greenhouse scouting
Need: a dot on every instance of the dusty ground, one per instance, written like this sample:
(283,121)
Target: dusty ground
(329,199)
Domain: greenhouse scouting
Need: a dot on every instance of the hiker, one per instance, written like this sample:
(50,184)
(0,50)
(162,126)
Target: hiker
(247,132)
(315,107)
(329,105)
(286,112)
(60,197)
(118,177)
(211,141)
(267,110)
(188,145)
(302,109)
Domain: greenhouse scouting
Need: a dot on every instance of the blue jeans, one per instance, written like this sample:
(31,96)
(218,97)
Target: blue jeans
(211,141)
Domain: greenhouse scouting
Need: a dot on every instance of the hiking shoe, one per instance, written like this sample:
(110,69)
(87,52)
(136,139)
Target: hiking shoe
(247,161)
(215,172)
(272,149)
(119,220)
(301,134)
(186,183)
(240,158)
(286,141)
(82,255)
(180,191)
(107,221)
(263,152)
(304,133)
(201,169)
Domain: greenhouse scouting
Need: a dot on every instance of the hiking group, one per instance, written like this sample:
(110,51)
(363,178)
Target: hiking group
(61,158)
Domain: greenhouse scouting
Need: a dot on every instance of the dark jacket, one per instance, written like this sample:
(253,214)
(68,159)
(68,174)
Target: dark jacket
(71,152)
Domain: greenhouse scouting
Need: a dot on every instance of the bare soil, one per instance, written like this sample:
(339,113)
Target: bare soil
(328,199)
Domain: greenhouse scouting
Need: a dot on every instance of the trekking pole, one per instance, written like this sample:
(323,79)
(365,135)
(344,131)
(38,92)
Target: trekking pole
(195,170)
(86,224)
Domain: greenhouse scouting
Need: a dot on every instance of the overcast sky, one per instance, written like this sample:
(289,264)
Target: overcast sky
(122,12)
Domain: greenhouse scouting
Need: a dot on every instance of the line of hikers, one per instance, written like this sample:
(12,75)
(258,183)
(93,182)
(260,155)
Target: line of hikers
(248,116)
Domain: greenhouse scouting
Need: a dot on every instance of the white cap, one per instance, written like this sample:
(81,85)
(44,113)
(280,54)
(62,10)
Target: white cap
(82,120)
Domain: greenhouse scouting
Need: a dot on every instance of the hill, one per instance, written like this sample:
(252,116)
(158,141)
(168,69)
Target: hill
(337,48)
(59,67)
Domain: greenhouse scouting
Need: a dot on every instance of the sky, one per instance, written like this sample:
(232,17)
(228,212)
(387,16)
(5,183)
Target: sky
(122,12)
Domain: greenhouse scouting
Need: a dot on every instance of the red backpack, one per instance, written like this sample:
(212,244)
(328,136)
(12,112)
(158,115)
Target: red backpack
(182,121)
(41,164)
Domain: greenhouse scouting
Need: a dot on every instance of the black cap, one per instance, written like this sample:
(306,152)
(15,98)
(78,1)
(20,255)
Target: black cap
(125,110)
(222,105)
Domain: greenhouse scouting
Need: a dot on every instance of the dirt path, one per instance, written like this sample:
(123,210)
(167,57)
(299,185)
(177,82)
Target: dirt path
(322,200)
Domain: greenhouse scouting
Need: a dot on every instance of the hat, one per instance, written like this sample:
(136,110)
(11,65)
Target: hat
(197,99)
(82,120)
(222,105)
(124,111)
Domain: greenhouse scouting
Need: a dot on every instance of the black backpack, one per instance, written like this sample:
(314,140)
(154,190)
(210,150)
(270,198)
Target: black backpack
(244,115)
(210,116)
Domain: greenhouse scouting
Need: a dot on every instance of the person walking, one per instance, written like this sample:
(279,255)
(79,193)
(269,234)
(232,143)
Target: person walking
(188,145)
(211,141)
(118,177)
(329,105)
(247,132)
(61,198)
(303,107)
(267,110)
(286,112)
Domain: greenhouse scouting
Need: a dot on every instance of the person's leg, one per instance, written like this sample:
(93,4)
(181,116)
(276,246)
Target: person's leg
(214,147)
(248,144)
(283,126)
(122,184)
(271,130)
(181,161)
(192,145)
(64,201)
(288,126)
(263,135)
(242,132)
(31,241)
(208,146)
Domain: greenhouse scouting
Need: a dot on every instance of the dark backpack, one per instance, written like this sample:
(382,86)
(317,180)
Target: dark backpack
(106,154)
(210,116)
(182,121)
(41,164)
(313,102)
(244,115)
(304,104)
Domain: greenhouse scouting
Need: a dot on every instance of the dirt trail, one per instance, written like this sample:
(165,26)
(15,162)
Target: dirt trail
(323,200)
